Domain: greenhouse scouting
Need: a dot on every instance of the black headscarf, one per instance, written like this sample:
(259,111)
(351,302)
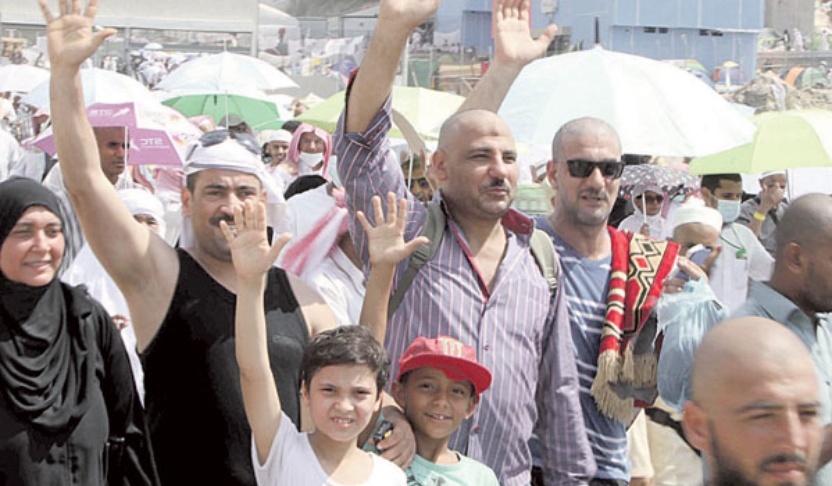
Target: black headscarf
(46,368)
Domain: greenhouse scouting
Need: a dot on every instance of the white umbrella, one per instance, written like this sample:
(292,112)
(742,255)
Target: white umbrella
(225,73)
(657,109)
(100,86)
(21,78)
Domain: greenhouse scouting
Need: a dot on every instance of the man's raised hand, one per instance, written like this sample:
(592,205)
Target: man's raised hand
(71,37)
(513,42)
(406,14)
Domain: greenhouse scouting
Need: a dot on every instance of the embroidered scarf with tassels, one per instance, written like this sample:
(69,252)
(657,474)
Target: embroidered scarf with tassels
(639,267)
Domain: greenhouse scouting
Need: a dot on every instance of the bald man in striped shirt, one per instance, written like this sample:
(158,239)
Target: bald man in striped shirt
(483,286)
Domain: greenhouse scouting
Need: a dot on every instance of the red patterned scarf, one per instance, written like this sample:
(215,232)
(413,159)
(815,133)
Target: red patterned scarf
(639,267)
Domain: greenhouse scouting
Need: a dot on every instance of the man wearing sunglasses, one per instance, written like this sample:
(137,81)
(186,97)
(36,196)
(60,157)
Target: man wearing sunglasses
(482,286)
(181,301)
(611,279)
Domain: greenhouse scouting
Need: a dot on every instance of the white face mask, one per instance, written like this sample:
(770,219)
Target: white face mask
(730,210)
(307,162)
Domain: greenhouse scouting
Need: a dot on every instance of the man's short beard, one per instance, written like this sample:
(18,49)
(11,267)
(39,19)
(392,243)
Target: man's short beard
(726,472)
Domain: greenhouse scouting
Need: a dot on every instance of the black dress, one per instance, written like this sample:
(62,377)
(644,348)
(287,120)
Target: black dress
(107,439)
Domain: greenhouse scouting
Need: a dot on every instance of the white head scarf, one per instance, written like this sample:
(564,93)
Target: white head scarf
(698,214)
(233,155)
(141,202)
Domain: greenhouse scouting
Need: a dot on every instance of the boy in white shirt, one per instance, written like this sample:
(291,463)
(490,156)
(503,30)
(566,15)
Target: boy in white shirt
(342,374)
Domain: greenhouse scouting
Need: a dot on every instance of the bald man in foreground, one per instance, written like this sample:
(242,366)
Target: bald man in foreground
(755,408)
(799,296)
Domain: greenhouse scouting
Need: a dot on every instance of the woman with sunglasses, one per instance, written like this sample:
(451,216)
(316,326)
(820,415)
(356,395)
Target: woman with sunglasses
(68,406)
(648,220)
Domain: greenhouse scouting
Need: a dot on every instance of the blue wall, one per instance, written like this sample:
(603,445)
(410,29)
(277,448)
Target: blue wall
(622,25)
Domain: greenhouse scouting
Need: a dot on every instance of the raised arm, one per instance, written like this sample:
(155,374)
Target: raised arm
(141,263)
(366,165)
(372,85)
(514,47)
(770,197)
(387,249)
(252,257)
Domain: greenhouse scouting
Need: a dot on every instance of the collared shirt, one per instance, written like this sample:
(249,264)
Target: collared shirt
(773,217)
(519,332)
(767,302)
(742,258)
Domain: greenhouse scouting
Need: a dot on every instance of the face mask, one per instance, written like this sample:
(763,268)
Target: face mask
(307,162)
(647,218)
(730,210)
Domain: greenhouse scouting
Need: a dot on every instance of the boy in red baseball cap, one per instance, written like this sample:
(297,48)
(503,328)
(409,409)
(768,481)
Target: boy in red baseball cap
(439,380)
(438,385)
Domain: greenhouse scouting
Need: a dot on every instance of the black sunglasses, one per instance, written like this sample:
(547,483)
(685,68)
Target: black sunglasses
(582,168)
(216,137)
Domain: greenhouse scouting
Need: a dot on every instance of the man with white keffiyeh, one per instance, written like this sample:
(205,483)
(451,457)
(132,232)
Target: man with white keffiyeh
(181,301)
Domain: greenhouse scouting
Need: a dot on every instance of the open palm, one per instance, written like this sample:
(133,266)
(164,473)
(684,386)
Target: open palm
(512,34)
(247,239)
(71,38)
(408,14)
(386,239)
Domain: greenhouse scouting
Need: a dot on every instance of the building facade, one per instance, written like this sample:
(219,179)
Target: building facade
(711,31)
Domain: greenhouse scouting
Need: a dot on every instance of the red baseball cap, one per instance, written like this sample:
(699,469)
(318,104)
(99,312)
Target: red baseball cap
(456,360)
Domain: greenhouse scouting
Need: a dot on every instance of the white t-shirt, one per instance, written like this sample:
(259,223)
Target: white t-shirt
(292,461)
(743,257)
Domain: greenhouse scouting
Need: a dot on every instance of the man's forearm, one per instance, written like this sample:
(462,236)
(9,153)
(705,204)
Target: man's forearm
(492,89)
(374,81)
(514,48)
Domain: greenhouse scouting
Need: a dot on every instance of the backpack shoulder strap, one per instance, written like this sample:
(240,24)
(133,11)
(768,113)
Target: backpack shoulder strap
(434,229)
(544,254)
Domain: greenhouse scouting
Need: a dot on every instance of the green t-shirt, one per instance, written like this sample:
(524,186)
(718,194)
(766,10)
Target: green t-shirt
(467,472)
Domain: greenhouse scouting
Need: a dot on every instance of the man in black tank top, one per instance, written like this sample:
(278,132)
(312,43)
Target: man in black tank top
(181,301)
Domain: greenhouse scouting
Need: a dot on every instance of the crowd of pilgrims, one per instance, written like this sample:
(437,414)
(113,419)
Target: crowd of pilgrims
(298,307)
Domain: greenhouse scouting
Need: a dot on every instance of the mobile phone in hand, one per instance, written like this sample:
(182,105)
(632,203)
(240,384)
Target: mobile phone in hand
(696,254)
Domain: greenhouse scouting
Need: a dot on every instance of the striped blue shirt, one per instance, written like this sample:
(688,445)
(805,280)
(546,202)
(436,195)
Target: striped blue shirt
(586,283)
(519,331)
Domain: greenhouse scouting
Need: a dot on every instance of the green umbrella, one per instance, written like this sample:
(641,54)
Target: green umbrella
(255,109)
(784,140)
(425,108)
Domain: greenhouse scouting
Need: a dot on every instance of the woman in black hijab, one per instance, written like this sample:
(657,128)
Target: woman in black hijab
(69,413)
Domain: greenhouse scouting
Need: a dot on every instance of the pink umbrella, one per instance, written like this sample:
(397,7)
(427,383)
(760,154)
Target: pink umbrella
(158,135)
